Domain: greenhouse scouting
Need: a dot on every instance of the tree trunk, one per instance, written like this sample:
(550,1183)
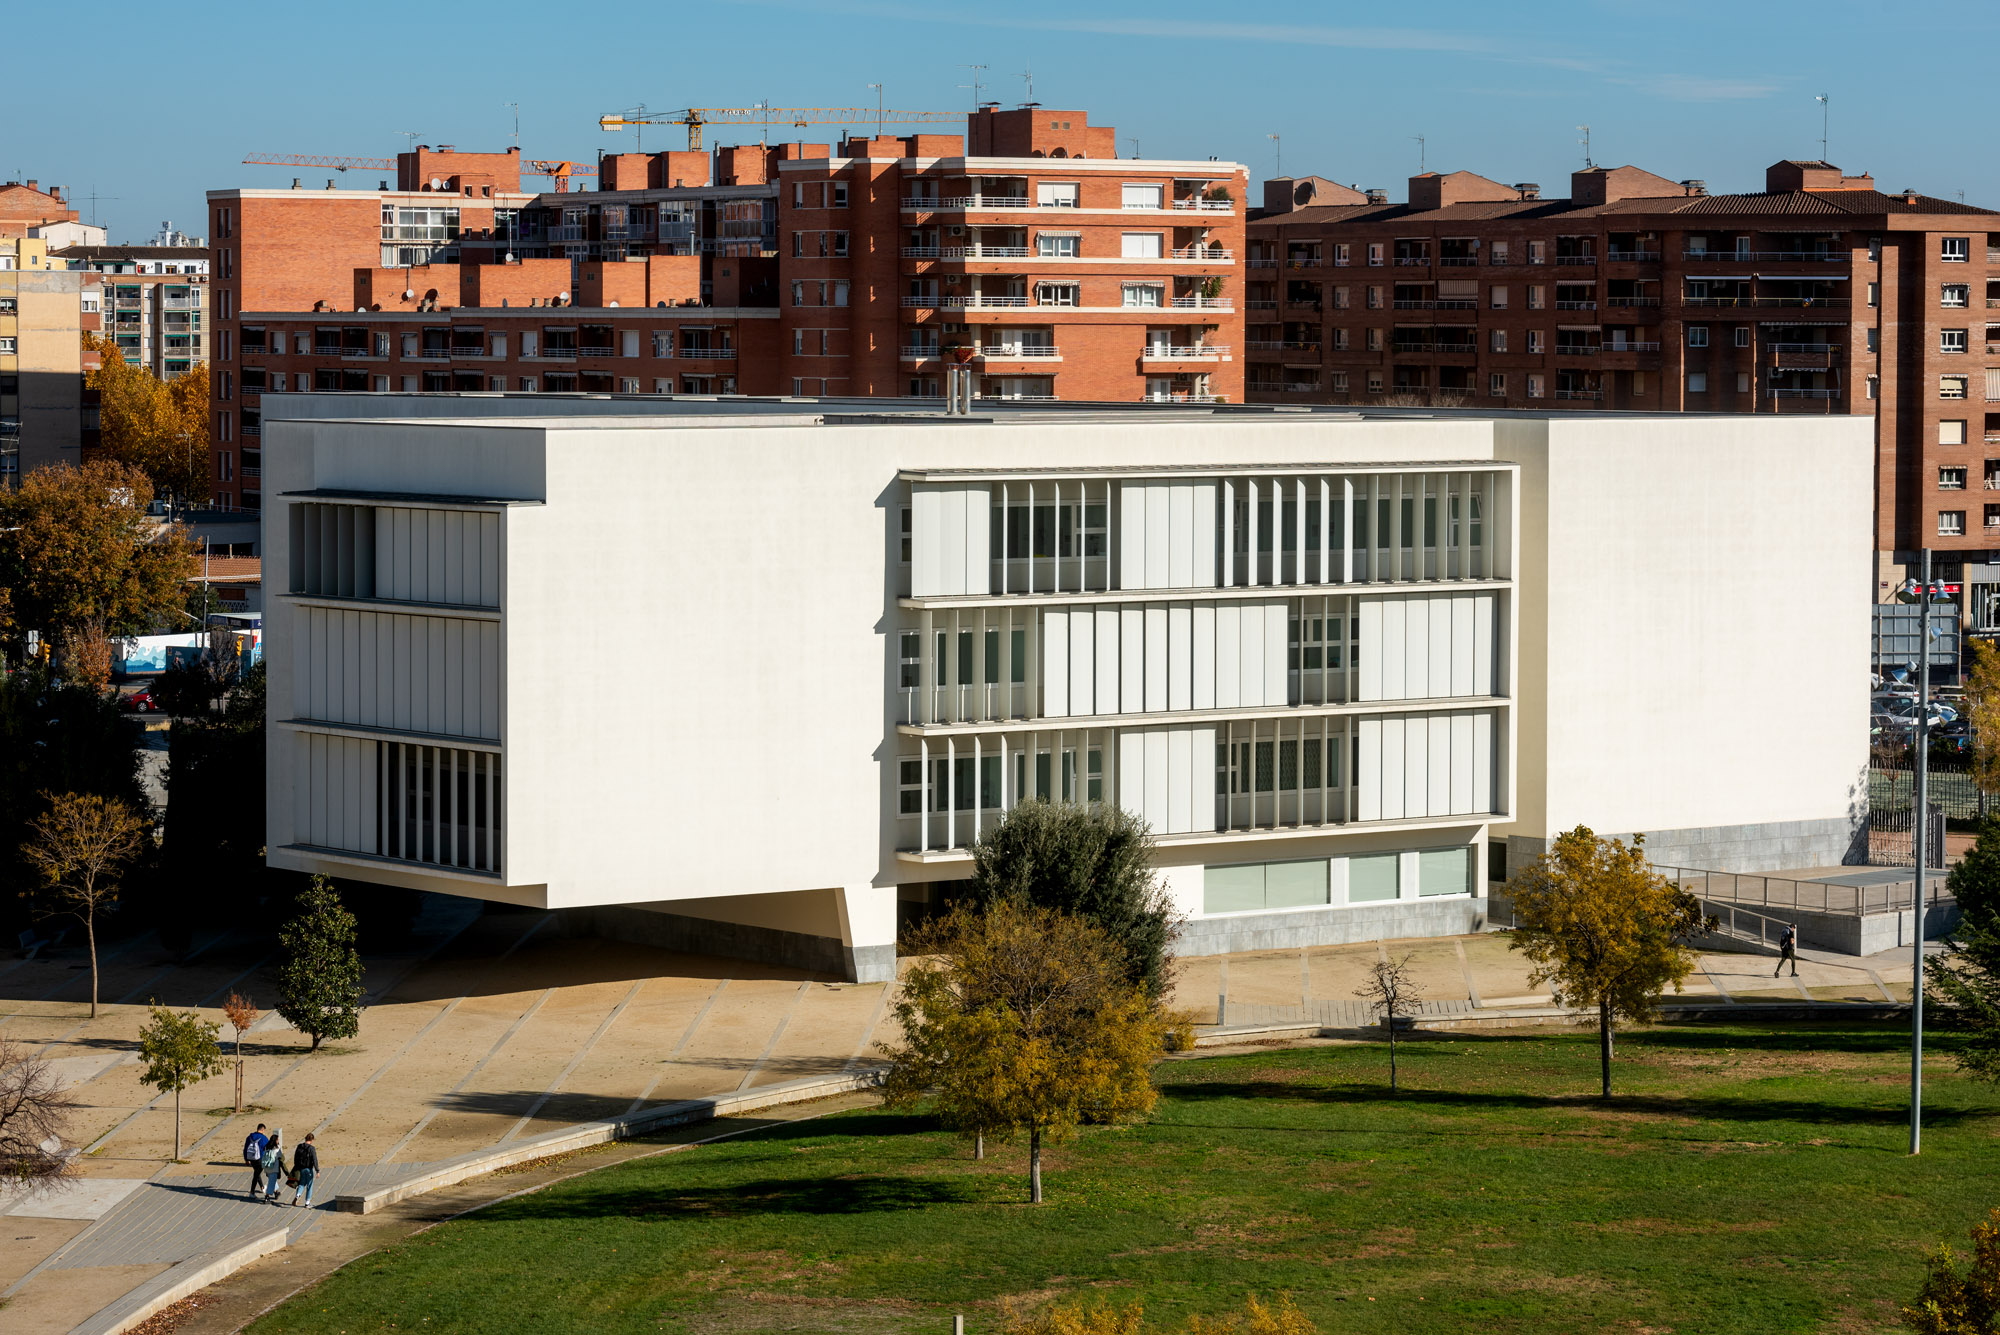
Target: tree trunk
(1604,1042)
(1034,1165)
(177,1125)
(1392,1051)
(90,931)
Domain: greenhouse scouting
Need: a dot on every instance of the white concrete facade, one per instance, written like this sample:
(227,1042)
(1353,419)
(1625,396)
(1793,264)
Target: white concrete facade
(759,670)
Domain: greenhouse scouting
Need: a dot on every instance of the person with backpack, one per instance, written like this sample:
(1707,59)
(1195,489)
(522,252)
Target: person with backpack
(254,1146)
(305,1167)
(1788,949)
(274,1164)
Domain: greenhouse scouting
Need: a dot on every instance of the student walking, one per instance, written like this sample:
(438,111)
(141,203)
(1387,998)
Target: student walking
(305,1167)
(274,1164)
(254,1146)
(1788,949)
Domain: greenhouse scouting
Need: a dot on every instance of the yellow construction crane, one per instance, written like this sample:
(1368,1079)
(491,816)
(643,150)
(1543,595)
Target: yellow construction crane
(696,117)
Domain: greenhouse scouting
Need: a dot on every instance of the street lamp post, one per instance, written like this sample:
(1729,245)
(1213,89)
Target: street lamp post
(1921,592)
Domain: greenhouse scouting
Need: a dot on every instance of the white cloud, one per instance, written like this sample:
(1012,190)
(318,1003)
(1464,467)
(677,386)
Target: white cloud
(1701,88)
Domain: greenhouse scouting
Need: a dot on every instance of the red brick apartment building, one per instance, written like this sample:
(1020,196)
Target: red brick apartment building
(1822,294)
(1056,269)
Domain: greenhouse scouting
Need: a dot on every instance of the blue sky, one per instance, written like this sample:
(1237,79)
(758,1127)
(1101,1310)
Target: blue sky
(1683,88)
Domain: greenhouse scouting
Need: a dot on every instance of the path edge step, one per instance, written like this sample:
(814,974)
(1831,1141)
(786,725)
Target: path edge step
(181,1280)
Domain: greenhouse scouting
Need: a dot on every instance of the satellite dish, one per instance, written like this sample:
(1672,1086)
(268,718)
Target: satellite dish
(409,292)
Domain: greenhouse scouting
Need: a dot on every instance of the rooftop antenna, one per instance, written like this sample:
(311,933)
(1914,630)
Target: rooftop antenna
(1278,152)
(1585,141)
(764,126)
(1825,113)
(410,135)
(975,85)
(517,121)
(1135,145)
(878,108)
(94,197)
(1029,75)
(1423,154)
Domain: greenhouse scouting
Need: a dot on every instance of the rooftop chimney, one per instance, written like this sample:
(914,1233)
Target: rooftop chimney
(1529,189)
(31,183)
(295,183)
(1378,196)
(1694,187)
(1909,195)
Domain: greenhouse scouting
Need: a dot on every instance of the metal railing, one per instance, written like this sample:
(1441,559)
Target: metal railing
(1576,259)
(1204,205)
(1740,256)
(1205,303)
(1172,351)
(986,252)
(599,350)
(1576,305)
(1204,253)
(1772,892)
(1412,261)
(982,302)
(1633,256)
(1458,261)
(700,353)
(1579,393)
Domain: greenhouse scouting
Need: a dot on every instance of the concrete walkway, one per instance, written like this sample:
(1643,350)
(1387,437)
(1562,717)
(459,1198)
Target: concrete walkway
(488,1028)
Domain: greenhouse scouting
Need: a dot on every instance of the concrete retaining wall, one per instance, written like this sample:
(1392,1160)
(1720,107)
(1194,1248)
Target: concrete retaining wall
(179,1281)
(1388,921)
(1773,846)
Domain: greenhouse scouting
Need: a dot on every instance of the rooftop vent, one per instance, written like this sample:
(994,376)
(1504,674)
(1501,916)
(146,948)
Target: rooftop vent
(295,183)
(1529,189)
(1694,187)
(1378,196)
(1909,195)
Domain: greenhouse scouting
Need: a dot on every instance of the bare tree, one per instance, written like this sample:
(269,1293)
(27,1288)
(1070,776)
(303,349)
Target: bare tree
(33,1116)
(80,845)
(1390,993)
(241,1012)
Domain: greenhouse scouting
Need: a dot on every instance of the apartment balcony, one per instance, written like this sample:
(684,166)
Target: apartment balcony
(444,355)
(1197,352)
(1802,355)
(568,232)
(919,354)
(705,354)
(1780,392)
(1771,303)
(1261,304)
(1411,304)
(1205,303)
(1580,394)
(1632,303)
(1200,205)
(1183,396)
(252,428)
(606,350)
(253,471)
(1021,398)
(1457,261)
(1633,256)
(984,252)
(1576,305)
(959,203)
(1413,261)
(1208,253)
(1576,259)
(1632,345)
(1455,304)
(1746,256)
(1263,264)
(355,354)
(983,302)
(922,252)
(555,354)
(1578,349)
(1047,352)
(923,303)
(328,350)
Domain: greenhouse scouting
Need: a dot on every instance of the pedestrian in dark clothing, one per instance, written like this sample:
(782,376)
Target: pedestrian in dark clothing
(305,1167)
(274,1164)
(1788,949)
(254,1146)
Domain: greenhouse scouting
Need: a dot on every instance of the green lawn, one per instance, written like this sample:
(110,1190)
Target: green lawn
(1743,1180)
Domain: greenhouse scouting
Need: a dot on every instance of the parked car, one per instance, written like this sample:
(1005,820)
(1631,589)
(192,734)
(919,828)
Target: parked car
(139,701)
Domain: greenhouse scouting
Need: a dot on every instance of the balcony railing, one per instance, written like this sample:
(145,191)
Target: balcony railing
(1168,352)
(1633,256)
(1579,393)
(985,252)
(1209,253)
(983,302)
(1407,304)
(1205,303)
(1744,256)
(1263,264)
(1182,396)
(1631,345)
(1627,302)
(558,354)
(1578,349)
(969,202)
(918,354)
(1458,261)
(921,252)
(1021,398)
(1769,303)
(1576,259)
(602,350)
(1455,304)
(1782,392)
(327,350)
(924,302)
(360,352)
(1020,351)
(708,352)
(1576,305)
(432,355)
(1412,261)
(1204,205)
(1262,304)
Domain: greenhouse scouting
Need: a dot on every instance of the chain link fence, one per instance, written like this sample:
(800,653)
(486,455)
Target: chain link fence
(1955,800)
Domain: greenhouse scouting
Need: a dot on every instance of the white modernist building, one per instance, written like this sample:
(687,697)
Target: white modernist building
(747,677)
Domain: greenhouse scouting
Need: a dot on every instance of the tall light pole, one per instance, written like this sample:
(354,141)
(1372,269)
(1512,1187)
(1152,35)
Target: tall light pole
(1923,593)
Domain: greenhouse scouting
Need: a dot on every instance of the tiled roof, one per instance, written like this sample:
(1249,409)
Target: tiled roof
(132,253)
(1791,203)
(232,570)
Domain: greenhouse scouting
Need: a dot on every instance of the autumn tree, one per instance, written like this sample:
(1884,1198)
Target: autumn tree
(1391,990)
(81,845)
(77,550)
(1964,979)
(34,1116)
(157,426)
(1955,1301)
(1019,1018)
(319,982)
(1604,930)
(241,1012)
(179,1050)
(1092,861)
(1982,711)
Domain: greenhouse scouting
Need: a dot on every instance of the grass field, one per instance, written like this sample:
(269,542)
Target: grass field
(1743,1180)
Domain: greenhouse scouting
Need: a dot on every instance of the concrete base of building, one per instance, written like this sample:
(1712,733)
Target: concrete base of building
(1773,846)
(661,926)
(1295,930)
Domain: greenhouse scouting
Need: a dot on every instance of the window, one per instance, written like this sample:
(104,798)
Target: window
(6,345)
(1535,294)
(1058,294)
(1498,297)
(1535,343)
(1874,291)
(1742,382)
(1951,340)
(1743,336)
(1697,335)
(1374,298)
(1144,196)
(1340,340)
(1253,886)
(1444,871)
(1340,298)
(1056,195)
(1145,294)
(1955,294)
(839,189)
(1951,431)
(1498,340)
(1057,245)
(1697,382)
(1497,253)
(527,383)
(1374,340)
(1874,247)
(1952,249)
(1373,878)
(839,291)
(1538,252)
(1496,384)
(1337,381)
(1374,382)
(1951,523)
(1375,254)
(1951,386)
(1951,479)
(1340,253)
(1534,387)
(1140,246)
(1871,386)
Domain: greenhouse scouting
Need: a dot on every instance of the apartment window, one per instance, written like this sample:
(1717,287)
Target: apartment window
(1742,382)
(1140,246)
(1743,336)
(663,343)
(1058,294)
(1638,384)
(1951,340)
(1374,298)
(6,345)
(1340,340)
(798,241)
(1951,523)
(1951,386)
(1497,253)
(1535,343)
(1874,247)
(1374,340)
(1871,386)
(527,383)
(1375,254)
(1147,195)
(1697,382)
(1496,384)
(1340,253)
(1951,431)
(839,291)
(798,293)
(1535,296)
(1340,298)
(1952,250)
(903,524)
(1056,195)
(1145,294)
(1538,252)
(1374,382)
(1057,245)
(1497,297)
(1497,340)
(663,385)
(839,240)
(839,189)
(1874,337)
(225,467)
(1951,479)
(1697,335)
(1955,294)
(382,383)
(1874,292)
(225,304)
(1337,381)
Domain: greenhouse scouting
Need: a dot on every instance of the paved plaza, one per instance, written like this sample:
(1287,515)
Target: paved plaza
(490,1027)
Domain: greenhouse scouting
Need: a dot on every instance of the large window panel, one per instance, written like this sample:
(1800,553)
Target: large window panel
(1291,885)
(1232,889)
(1373,877)
(1444,871)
